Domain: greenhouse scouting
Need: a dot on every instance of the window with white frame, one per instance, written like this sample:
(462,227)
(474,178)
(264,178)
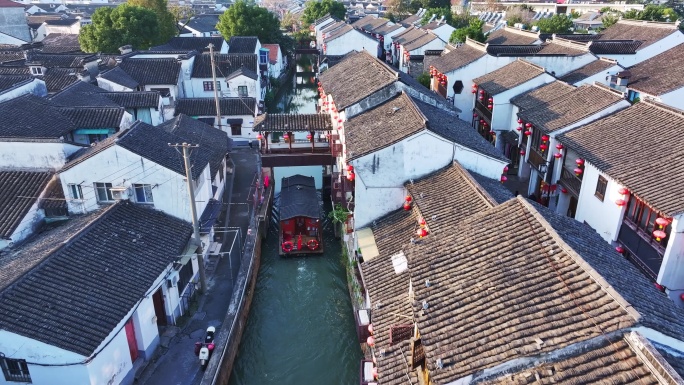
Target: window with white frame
(242,91)
(209,86)
(15,370)
(103,192)
(37,70)
(143,193)
(75,191)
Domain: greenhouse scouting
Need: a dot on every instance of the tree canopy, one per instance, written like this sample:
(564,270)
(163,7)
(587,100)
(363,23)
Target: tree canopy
(244,19)
(165,19)
(652,12)
(316,9)
(472,31)
(438,12)
(115,27)
(557,23)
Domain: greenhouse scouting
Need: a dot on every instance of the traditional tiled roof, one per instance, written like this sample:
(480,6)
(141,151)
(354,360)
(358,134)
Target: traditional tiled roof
(394,230)
(542,95)
(214,144)
(407,36)
(298,198)
(421,41)
(207,106)
(95,297)
(242,44)
(119,76)
(82,94)
(19,118)
(63,60)
(226,64)
(94,117)
(61,22)
(573,107)
(448,196)
(369,23)
(20,190)
(152,71)
(410,20)
(61,43)
(512,36)
(614,47)
(342,30)
(450,127)
(674,358)
(578,37)
(56,79)
(243,71)
(660,74)
(495,189)
(509,76)
(559,47)
(588,70)
(195,43)
(646,32)
(513,50)
(292,122)
(387,28)
(508,297)
(656,129)
(355,77)
(204,22)
(459,57)
(10,81)
(54,197)
(134,99)
(7,70)
(610,361)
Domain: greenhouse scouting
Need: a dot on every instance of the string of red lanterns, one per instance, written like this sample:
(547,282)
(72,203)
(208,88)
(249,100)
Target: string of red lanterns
(580,166)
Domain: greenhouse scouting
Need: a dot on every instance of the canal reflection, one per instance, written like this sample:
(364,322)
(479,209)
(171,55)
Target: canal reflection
(301,326)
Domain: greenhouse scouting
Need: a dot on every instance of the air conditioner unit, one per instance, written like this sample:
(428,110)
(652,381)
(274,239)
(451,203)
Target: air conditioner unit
(119,192)
(172,281)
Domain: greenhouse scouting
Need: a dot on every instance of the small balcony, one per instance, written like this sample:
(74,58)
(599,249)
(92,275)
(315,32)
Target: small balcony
(570,181)
(537,160)
(483,110)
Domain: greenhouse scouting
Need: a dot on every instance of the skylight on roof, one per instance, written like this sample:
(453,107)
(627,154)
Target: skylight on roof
(399,262)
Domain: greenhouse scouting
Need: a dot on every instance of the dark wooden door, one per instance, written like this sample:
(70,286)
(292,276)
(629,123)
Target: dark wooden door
(132,342)
(158,300)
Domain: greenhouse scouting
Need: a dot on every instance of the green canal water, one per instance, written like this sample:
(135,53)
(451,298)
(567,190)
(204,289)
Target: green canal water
(301,326)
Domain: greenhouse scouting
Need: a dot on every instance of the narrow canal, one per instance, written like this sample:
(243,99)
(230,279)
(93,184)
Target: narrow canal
(301,327)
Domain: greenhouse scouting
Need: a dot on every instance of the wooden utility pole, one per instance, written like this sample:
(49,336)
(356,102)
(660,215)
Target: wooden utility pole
(213,77)
(193,210)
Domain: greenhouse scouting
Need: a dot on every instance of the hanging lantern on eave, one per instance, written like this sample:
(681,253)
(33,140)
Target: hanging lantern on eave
(662,222)
(490,100)
(659,235)
(545,138)
(519,128)
(527,133)
(505,169)
(370,328)
(480,98)
(660,287)
(543,147)
(351,176)
(522,151)
(564,190)
(309,136)
(528,125)
(558,155)
(559,146)
(408,198)
(286,136)
(259,136)
(490,106)
(578,171)
(350,168)
(474,115)
(619,249)
(623,191)
(618,202)
(579,162)
(481,92)
(421,233)
(421,221)
(520,121)
(503,178)
(370,341)
(407,206)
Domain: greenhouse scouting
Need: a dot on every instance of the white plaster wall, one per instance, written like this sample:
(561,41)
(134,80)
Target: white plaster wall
(444,32)
(466,100)
(674,98)
(351,41)
(654,49)
(111,86)
(671,273)
(473,161)
(113,363)
(503,109)
(600,77)
(385,172)
(146,330)
(36,87)
(561,65)
(435,44)
(604,217)
(174,89)
(35,155)
(319,27)
(73,29)
(196,89)
(390,36)
(121,167)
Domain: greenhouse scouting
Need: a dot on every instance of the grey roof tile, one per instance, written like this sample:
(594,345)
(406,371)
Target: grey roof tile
(18,119)
(660,74)
(542,95)
(509,76)
(152,71)
(94,117)
(93,299)
(226,64)
(204,22)
(134,99)
(242,44)
(614,47)
(656,129)
(509,36)
(646,32)
(207,106)
(457,58)
(298,198)
(20,190)
(195,43)
(11,81)
(292,122)
(588,70)
(119,76)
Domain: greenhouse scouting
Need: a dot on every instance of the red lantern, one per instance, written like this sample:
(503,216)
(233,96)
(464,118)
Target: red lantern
(659,235)
(370,328)
(528,125)
(308,136)
(491,100)
(519,128)
(480,98)
(490,106)
(474,86)
(579,162)
(558,155)
(421,232)
(681,296)
(339,120)
(559,146)
(474,91)
(482,121)
(259,136)
(522,151)
(474,115)
(545,138)
(623,191)
(660,287)
(407,206)
(350,168)
(527,133)
(505,170)
(485,124)
(421,221)
(503,178)
(619,202)
(370,341)
(481,92)
(519,121)
(619,249)
(286,136)
(543,147)
(350,177)
(578,171)
(662,222)
(408,198)
(564,190)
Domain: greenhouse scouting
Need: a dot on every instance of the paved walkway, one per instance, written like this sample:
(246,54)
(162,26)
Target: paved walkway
(175,362)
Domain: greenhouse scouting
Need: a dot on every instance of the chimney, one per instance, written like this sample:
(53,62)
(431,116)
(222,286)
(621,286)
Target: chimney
(126,49)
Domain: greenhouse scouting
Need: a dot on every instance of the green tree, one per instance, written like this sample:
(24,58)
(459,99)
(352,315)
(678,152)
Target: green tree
(244,19)
(609,19)
(574,15)
(472,31)
(555,24)
(427,4)
(317,9)
(438,12)
(115,27)
(424,79)
(165,19)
